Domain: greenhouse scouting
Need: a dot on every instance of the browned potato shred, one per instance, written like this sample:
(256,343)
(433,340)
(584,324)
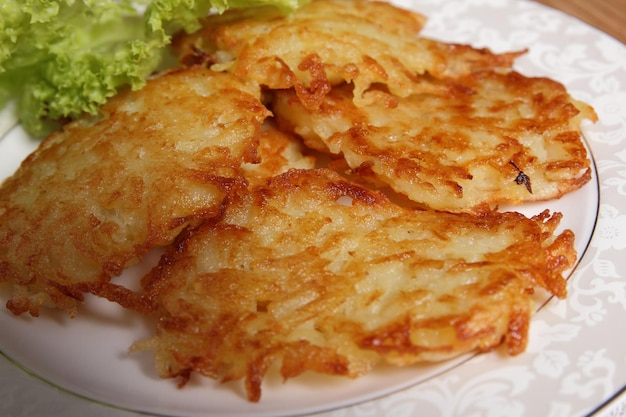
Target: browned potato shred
(326,185)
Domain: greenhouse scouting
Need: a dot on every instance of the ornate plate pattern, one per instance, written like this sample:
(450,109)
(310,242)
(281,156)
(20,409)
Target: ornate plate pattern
(576,360)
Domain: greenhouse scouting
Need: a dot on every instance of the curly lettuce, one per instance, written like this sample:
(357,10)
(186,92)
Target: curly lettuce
(62,58)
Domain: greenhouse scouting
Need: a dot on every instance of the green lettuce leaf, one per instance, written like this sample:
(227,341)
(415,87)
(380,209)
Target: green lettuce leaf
(62,58)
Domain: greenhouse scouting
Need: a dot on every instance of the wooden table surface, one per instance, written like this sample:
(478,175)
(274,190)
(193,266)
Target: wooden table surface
(607,15)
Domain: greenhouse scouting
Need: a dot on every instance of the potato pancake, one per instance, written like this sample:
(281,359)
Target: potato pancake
(96,197)
(494,138)
(326,42)
(315,273)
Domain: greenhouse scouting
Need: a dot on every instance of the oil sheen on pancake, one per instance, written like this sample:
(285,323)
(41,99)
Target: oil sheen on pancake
(493,138)
(326,42)
(312,272)
(97,196)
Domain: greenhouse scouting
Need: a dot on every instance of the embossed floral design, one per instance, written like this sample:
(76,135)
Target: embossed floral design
(610,107)
(549,360)
(490,393)
(610,229)
(595,373)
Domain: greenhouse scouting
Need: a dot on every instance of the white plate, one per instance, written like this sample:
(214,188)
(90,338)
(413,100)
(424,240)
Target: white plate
(576,359)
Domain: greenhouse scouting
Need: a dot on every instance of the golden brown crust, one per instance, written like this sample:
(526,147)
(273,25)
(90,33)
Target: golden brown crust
(492,138)
(327,42)
(98,196)
(277,152)
(318,273)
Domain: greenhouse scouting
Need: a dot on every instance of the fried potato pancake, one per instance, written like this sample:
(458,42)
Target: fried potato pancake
(494,138)
(315,273)
(95,198)
(326,42)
